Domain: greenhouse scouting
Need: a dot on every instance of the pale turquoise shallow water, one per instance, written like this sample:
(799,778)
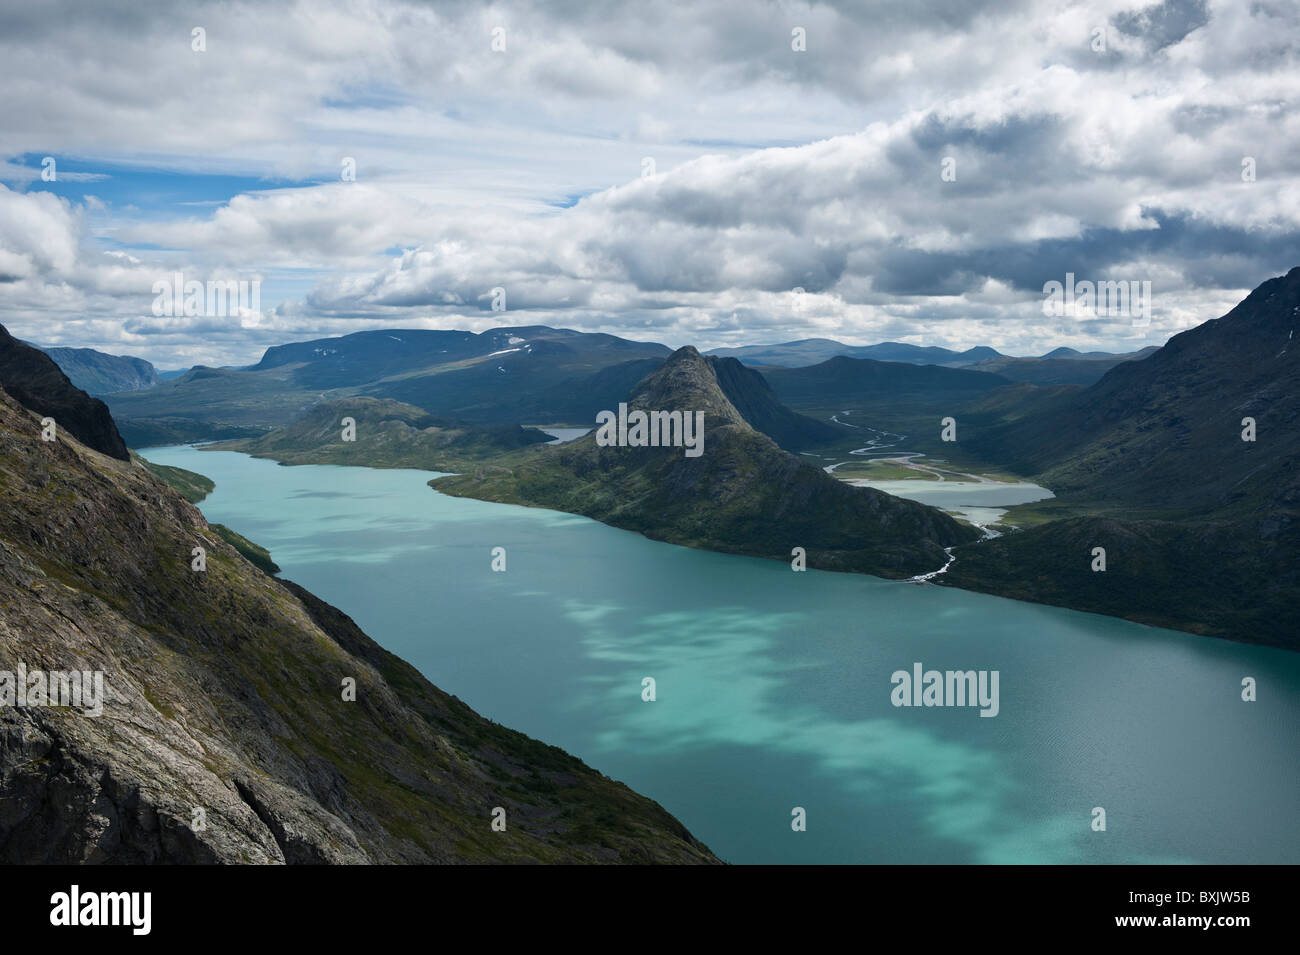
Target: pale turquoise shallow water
(774,687)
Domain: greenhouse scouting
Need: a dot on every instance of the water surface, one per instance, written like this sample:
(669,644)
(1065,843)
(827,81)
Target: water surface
(774,687)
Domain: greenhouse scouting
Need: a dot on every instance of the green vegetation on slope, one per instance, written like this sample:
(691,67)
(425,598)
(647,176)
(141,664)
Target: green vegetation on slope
(257,555)
(743,495)
(192,486)
(384,434)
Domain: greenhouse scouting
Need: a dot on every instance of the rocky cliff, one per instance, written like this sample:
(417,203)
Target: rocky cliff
(33,379)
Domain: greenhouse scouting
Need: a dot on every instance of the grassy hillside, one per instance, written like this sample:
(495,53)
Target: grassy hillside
(190,485)
(388,434)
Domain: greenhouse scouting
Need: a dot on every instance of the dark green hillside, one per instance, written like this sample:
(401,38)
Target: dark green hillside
(848,381)
(1165,432)
(742,495)
(1201,528)
(389,434)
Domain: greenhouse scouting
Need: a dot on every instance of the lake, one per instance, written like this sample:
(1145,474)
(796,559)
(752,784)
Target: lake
(774,687)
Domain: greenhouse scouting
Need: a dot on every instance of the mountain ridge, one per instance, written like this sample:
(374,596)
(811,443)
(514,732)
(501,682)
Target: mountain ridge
(99,373)
(742,495)
(1201,528)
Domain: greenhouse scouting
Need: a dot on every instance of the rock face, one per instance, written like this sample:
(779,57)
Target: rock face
(225,734)
(742,495)
(33,379)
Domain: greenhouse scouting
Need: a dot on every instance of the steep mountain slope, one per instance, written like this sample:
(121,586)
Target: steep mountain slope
(751,395)
(1061,366)
(226,735)
(1201,528)
(743,494)
(387,434)
(579,401)
(1165,432)
(97,373)
(33,379)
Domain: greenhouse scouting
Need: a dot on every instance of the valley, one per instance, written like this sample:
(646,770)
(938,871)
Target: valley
(1193,515)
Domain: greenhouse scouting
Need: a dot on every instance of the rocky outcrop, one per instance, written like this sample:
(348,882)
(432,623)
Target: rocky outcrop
(33,379)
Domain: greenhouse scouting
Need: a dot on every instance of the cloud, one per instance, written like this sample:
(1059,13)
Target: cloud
(1119,162)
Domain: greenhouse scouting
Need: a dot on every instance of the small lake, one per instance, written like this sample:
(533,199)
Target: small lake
(773,687)
(981,503)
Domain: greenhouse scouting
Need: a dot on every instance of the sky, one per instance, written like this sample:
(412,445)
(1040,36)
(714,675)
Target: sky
(715,173)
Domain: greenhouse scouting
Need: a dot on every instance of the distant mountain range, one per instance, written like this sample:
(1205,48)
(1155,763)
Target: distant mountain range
(529,374)
(1060,366)
(846,380)
(810,351)
(511,375)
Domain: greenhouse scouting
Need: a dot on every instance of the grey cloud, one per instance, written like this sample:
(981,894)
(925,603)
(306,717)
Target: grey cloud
(1164,24)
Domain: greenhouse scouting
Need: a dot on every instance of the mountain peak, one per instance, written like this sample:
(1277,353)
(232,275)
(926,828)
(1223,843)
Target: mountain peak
(687,382)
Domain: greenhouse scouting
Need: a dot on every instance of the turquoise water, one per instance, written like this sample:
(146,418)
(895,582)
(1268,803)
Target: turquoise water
(773,687)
